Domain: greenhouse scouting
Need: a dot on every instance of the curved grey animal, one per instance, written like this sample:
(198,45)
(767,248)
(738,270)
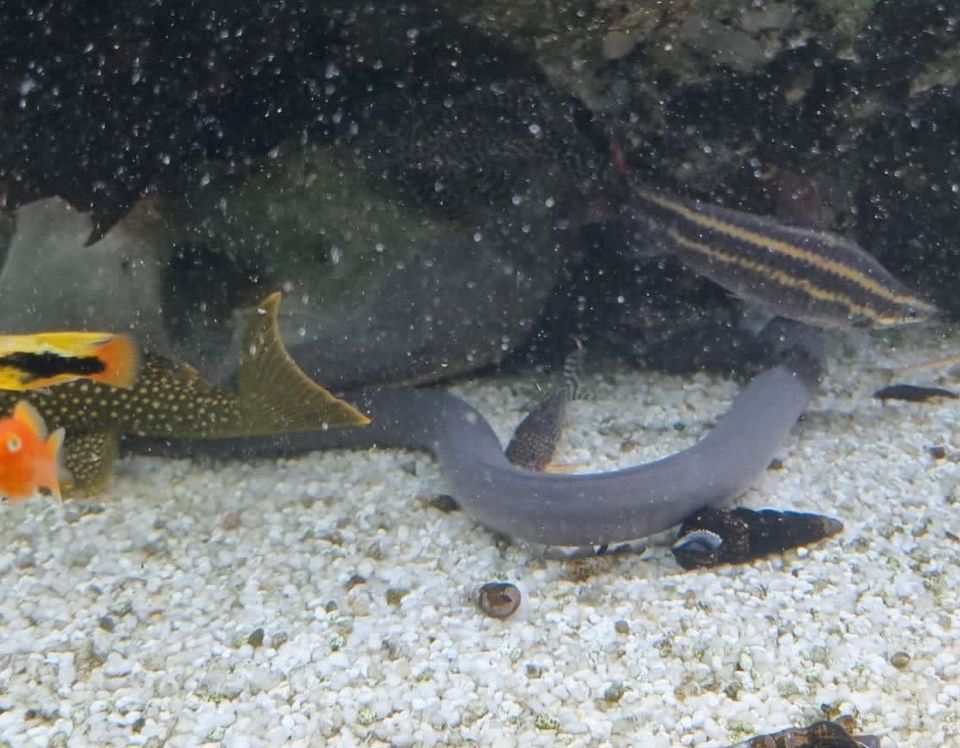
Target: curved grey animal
(584,509)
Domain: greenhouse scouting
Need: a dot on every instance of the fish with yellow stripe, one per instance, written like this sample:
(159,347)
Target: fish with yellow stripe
(811,276)
(29,362)
(170,399)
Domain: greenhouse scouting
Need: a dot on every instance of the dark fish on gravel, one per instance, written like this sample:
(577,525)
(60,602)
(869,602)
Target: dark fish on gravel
(715,536)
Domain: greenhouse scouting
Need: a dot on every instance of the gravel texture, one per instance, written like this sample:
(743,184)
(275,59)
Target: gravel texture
(328,600)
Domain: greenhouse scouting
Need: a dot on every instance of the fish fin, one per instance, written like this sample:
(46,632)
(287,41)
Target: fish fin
(59,474)
(88,459)
(29,416)
(273,392)
(536,437)
(121,357)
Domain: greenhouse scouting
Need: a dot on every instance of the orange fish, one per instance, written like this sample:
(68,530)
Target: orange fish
(29,362)
(29,459)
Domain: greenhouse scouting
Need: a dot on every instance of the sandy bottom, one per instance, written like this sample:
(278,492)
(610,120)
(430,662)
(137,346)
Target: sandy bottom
(327,600)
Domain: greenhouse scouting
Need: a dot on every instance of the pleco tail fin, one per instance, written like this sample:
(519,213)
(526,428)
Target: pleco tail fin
(274,395)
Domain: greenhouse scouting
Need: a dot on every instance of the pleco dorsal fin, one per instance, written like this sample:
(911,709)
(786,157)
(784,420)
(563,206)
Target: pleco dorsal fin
(274,395)
(88,460)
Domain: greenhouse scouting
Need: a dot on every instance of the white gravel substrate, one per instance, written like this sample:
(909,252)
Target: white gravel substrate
(129,620)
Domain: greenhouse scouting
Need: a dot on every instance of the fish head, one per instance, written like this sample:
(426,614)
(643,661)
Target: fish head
(18,448)
(909,310)
(20,433)
(26,455)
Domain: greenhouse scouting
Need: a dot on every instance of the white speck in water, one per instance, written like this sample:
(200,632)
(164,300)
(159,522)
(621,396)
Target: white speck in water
(332,71)
(620,299)
(535,130)
(27,85)
(549,202)
(204,180)
(477,236)
(336,254)
(165,158)
(302,331)
(379,247)
(516,199)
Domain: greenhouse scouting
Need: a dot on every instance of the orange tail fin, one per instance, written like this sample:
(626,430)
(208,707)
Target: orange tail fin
(122,360)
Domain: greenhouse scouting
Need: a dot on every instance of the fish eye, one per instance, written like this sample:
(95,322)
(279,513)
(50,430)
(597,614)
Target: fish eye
(14,443)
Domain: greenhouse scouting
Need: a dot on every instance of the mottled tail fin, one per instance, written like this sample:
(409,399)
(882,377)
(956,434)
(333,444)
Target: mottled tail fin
(273,393)
(536,437)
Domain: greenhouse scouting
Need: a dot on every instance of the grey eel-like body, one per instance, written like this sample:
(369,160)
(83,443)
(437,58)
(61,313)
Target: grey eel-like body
(591,508)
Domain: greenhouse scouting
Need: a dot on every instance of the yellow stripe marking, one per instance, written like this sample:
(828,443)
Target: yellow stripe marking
(790,250)
(785,279)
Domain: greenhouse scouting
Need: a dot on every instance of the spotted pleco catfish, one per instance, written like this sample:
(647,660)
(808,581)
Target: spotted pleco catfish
(171,399)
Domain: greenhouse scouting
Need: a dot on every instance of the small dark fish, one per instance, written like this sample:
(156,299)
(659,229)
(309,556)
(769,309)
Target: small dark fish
(719,536)
(912,393)
(535,438)
(499,599)
(825,734)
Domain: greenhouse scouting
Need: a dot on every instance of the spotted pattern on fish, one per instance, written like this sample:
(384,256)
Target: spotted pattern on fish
(171,399)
